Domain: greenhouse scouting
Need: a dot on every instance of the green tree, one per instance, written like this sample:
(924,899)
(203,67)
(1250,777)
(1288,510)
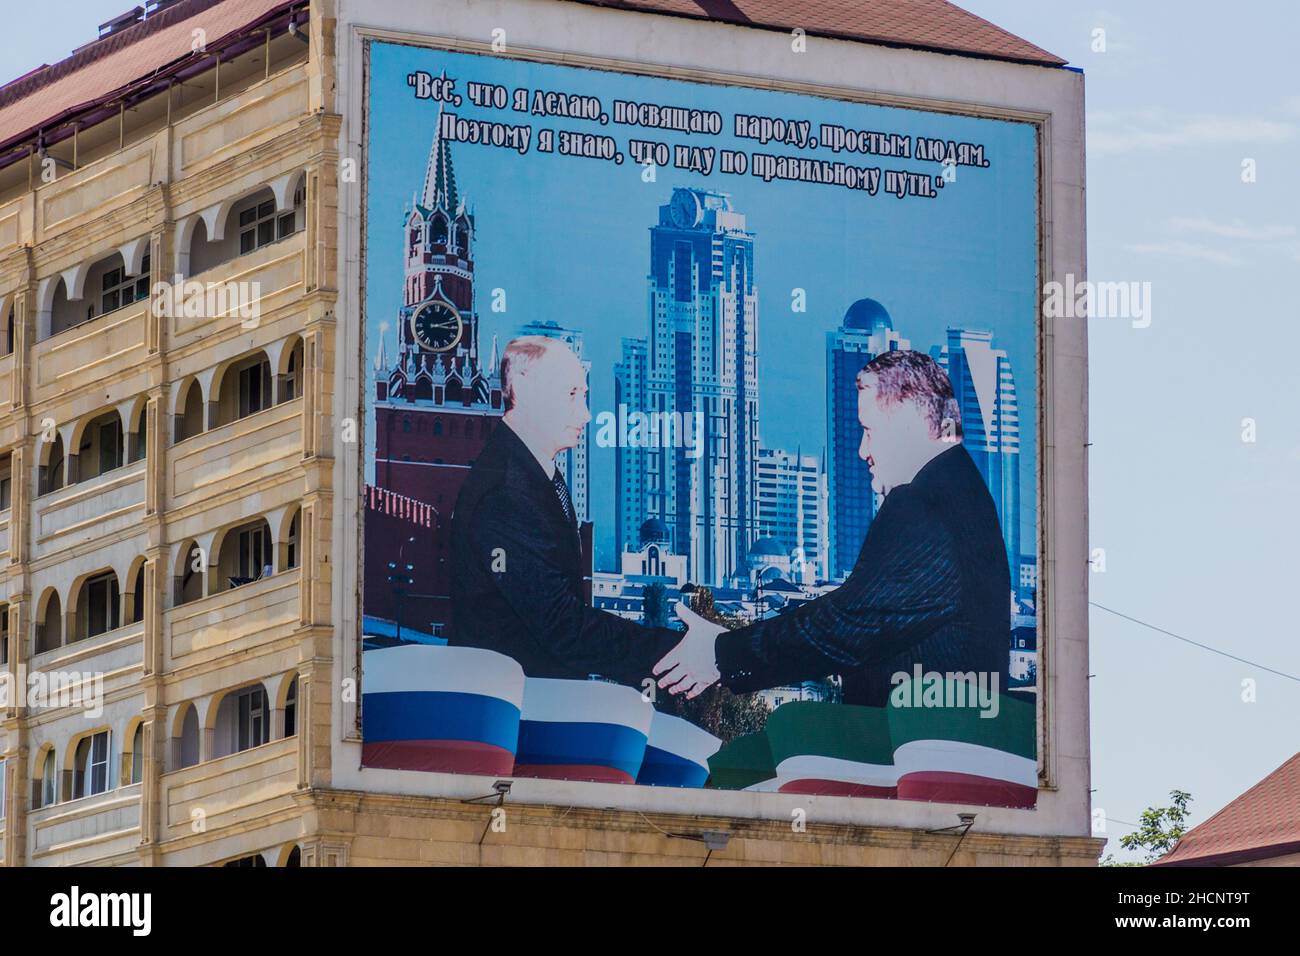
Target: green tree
(655,604)
(1161,828)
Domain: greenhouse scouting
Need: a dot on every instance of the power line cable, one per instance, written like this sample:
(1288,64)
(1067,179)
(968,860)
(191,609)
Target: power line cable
(1188,640)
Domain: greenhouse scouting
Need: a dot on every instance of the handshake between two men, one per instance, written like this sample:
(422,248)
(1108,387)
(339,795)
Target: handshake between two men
(691,667)
(930,584)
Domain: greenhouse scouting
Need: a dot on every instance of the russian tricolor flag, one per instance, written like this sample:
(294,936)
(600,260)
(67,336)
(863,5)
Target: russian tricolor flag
(582,730)
(442,709)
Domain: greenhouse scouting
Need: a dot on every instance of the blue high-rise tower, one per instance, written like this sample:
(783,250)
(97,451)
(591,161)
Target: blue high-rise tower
(985,391)
(864,333)
(700,358)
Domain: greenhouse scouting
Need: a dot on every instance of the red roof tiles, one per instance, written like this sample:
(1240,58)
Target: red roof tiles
(120,60)
(1262,822)
(924,24)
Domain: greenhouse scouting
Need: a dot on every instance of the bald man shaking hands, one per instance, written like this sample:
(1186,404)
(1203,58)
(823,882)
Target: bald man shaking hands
(516,562)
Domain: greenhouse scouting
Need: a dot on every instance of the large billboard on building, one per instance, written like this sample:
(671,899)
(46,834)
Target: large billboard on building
(646,352)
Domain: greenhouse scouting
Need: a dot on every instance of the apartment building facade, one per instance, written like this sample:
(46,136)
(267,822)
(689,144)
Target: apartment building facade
(168,303)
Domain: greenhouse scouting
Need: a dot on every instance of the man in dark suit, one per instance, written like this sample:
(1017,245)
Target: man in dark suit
(516,561)
(931,584)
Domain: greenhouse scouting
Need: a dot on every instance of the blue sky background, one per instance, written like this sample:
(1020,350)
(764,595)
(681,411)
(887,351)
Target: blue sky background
(568,238)
(1199,528)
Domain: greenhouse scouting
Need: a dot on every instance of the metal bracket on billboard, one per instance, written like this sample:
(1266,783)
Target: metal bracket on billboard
(967,821)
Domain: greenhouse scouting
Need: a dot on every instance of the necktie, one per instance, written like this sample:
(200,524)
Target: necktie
(562,491)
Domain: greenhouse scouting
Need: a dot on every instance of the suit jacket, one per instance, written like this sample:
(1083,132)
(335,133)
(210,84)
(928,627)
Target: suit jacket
(517,577)
(930,586)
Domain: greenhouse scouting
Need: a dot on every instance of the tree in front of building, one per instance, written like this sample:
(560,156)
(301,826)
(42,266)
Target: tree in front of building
(1161,828)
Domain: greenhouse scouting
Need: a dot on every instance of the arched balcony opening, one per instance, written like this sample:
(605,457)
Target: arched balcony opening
(99,448)
(289,378)
(187,582)
(90,773)
(45,779)
(249,224)
(243,721)
(245,555)
(188,420)
(49,622)
(137,439)
(106,288)
(133,605)
(98,606)
(245,389)
(53,468)
(185,738)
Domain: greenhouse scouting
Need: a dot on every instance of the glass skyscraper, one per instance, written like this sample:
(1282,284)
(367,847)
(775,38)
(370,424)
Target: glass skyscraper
(700,358)
(985,391)
(864,333)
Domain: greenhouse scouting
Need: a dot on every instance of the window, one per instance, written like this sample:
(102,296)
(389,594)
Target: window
(3,775)
(119,290)
(137,754)
(254,552)
(110,445)
(4,634)
(137,598)
(6,484)
(291,709)
(293,374)
(291,546)
(261,225)
(102,604)
(251,729)
(91,776)
(47,795)
(254,388)
(141,437)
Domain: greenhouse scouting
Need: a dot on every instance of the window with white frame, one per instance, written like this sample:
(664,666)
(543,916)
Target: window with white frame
(119,290)
(48,795)
(254,388)
(252,726)
(261,225)
(91,776)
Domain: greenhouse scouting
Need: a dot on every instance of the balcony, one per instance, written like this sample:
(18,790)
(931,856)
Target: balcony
(231,790)
(90,353)
(85,831)
(275,271)
(235,126)
(267,609)
(108,653)
(239,454)
(90,510)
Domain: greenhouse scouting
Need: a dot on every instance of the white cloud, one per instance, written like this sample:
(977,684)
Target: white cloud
(1113,133)
(1181,249)
(1234,230)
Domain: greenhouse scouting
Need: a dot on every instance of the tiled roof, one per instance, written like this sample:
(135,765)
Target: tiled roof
(1262,822)
(923,24)
(118,61)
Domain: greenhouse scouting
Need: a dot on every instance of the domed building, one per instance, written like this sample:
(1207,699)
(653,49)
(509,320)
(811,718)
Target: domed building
(768,560)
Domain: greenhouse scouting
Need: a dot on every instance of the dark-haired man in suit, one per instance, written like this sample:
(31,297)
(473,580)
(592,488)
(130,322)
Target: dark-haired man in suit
(516,561)
(931,584)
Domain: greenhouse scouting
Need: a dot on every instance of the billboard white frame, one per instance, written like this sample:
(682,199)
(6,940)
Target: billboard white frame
(581,35)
